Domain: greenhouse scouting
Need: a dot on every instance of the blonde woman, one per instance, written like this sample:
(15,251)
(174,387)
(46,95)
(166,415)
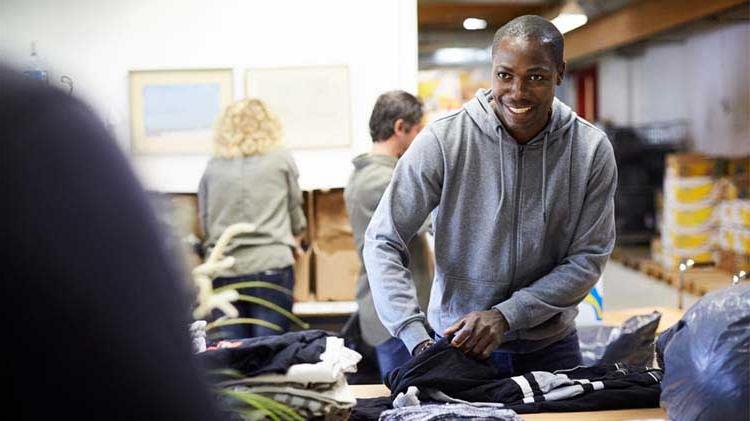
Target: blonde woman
(253,179)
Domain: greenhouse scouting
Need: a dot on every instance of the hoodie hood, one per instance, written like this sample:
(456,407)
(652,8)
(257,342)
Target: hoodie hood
(560,124)
(365,159)
(484,116)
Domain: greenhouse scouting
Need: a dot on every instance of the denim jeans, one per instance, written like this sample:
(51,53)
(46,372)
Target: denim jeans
(563,354)
(391,354)
(283,277)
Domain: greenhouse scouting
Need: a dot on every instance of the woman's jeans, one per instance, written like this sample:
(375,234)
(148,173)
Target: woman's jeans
(282,277)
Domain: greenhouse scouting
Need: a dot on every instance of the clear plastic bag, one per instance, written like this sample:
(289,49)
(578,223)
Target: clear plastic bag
(632,343)
(706,359)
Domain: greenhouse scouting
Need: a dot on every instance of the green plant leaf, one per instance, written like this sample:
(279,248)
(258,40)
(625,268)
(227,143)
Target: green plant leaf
(275,410)
(251,400)
(252,414)
(283,410)
(228,372)
(276,308)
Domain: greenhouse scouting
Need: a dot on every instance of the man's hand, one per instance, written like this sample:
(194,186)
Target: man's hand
(479,332)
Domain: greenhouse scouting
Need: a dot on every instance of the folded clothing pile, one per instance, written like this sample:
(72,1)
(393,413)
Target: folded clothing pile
(304,370)
(443,374)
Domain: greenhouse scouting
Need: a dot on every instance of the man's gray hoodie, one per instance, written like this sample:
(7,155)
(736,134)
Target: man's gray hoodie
(526,229)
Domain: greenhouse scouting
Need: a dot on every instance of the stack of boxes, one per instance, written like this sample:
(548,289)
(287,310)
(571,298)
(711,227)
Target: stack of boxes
(734,235)
(734,214)
(692,193)
(329,268)
(336,261)
(700,194)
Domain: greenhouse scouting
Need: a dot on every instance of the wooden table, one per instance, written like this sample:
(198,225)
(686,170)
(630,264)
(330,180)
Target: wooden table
(377,390)
(324,308)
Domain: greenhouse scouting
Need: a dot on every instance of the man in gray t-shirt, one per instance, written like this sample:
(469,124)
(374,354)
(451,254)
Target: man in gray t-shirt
(394,123)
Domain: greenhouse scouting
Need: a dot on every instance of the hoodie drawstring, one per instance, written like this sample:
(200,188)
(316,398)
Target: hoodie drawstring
(502,177)
(544,177)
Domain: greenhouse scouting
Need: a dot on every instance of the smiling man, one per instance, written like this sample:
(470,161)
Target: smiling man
(521,194)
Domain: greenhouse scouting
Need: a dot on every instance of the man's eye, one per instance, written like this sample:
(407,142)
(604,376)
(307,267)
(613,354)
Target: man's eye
(504,76)
(536,78)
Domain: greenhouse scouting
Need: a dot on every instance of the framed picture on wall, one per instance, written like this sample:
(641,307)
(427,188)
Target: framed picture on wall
(173,112)
(312,102)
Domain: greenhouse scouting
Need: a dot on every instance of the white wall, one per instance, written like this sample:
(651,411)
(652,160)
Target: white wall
(97,42)
(704,79)
(718,94)
(614,90)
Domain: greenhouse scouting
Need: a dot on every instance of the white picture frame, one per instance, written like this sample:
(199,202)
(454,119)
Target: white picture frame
(312,102)
(172,112)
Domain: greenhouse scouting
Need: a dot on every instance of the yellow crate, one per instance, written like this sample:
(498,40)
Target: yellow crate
(691,241)
(691,218)
(744,215)
(704,190)
(742,242)
(735,213)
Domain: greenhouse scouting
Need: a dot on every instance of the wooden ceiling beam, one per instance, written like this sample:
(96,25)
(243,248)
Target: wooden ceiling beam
(450,16)
(638,21)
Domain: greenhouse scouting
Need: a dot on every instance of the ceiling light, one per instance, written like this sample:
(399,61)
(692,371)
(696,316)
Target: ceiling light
(461,55)
(571,17)
(474,24)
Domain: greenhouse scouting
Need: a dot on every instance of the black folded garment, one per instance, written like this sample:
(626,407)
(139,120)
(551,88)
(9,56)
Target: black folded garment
(267,354)
(369,409)
(446,369)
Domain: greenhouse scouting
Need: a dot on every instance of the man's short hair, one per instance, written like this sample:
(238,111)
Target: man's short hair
(533,28)
(390,107)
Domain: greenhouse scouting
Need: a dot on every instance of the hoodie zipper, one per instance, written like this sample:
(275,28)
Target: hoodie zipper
(516,216)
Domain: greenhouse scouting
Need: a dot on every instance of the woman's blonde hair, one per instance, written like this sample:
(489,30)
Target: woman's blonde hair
(246,128)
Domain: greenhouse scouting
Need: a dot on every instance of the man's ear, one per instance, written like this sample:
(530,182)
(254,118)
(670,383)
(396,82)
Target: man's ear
(560,72)
(399,126)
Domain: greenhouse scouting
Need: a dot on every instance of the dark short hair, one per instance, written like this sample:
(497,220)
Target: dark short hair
(390,107)
(533,28)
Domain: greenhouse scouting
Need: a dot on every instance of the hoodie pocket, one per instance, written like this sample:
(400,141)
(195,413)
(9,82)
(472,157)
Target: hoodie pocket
(464,295)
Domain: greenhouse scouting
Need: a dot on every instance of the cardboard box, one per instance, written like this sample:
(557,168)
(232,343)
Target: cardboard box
(335,259)
(308,208)
(731,262)
(337,267)
(330,218)
(302,268)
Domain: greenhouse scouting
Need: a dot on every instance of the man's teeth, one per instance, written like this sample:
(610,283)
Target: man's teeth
(519,110)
